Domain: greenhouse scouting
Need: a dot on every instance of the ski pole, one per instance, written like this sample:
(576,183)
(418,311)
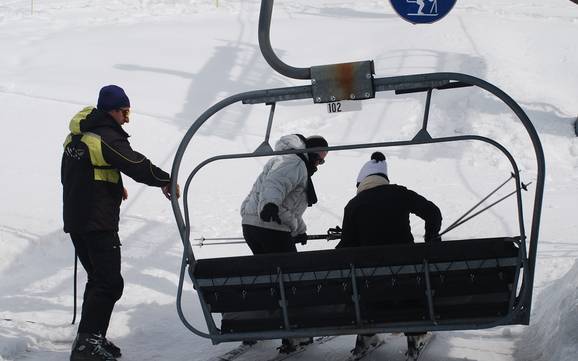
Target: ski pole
(309,236)
(451,226)
(203,243)
(202,239)
(322,236)
(75,278)
(241,240)
(457,224)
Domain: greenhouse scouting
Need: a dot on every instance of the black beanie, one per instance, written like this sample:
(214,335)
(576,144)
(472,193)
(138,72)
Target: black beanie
(315,141)
(112,97)
(378,157)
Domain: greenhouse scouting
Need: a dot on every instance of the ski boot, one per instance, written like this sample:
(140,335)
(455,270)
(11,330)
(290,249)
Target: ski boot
(289,345)
(112,349)
(90,347)
(364,342)
(415,344)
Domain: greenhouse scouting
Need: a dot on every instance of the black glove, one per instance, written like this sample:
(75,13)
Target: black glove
(334,233)
(270,213)
(432,238)
(300,238)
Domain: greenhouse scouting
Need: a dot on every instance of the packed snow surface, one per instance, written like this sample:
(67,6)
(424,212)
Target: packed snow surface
(177,58)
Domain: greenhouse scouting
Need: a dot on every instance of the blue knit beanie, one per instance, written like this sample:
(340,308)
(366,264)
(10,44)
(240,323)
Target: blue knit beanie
(112,97)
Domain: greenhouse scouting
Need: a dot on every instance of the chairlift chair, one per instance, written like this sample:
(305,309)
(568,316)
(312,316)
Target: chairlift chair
(451,285)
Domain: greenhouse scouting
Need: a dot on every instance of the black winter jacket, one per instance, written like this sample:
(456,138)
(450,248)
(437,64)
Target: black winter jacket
(380,216)
(95,152)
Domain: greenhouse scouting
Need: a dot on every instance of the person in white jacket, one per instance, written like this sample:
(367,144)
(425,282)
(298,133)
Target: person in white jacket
(272,212)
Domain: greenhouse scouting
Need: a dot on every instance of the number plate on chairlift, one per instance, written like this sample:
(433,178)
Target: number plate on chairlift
(343,106)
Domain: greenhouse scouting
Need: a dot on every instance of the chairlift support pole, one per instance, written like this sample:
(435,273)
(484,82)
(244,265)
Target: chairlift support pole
(265,15)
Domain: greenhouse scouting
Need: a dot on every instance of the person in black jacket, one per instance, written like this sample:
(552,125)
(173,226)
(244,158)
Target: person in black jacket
(96,152)
(379,215)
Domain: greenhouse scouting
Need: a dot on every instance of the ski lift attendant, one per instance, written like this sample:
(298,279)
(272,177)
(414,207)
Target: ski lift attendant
(96,152)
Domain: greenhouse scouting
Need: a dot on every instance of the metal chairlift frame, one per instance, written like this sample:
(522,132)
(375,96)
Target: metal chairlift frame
(356,81)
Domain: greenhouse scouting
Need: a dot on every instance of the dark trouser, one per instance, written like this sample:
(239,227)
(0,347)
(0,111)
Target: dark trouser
(263,240)
(99,254)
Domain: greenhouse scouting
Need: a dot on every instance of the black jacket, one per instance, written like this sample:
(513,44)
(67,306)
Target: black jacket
(380,216)
(95,152)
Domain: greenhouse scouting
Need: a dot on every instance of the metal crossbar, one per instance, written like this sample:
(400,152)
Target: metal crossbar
(359,272)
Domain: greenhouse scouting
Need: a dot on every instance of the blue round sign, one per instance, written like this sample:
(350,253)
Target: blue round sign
(422,11)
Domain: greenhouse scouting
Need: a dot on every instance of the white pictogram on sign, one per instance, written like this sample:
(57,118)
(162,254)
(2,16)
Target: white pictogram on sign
(432,11)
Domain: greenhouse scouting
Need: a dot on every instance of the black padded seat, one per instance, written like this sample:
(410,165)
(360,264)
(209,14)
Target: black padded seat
(468,279)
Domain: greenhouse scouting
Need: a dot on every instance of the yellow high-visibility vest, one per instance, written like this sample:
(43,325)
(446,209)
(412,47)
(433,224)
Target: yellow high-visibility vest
(102,170)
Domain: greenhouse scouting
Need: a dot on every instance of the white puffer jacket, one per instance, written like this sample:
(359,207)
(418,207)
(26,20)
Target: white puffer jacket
(282,182)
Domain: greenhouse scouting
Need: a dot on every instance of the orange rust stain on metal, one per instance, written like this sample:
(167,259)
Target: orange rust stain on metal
(345,78)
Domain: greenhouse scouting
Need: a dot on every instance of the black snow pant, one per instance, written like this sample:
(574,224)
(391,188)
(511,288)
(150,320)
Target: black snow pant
(263,240)
(99,254)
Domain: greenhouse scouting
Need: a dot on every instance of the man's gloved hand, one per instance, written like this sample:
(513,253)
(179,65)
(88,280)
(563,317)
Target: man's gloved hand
(270,212)
(300,238)
(167,191)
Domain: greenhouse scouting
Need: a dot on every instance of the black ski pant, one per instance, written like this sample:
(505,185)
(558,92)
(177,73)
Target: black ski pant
(263,240)
(99,254)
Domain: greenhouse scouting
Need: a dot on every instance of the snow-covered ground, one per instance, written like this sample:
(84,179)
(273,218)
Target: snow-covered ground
(175,58)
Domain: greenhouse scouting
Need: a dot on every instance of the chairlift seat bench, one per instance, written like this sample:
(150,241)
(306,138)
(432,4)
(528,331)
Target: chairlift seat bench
(444,282)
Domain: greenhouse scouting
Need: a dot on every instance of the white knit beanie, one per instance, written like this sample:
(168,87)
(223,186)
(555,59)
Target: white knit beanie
(377,165)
